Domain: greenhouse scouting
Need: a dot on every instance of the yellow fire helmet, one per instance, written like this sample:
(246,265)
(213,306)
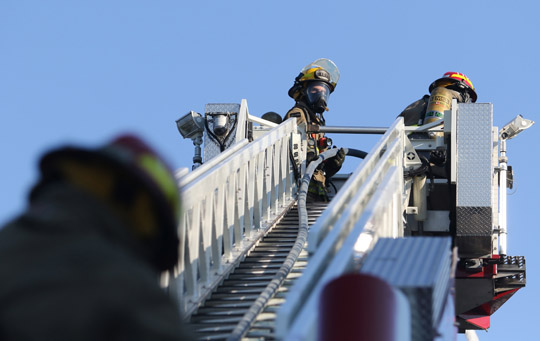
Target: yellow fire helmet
(320,70)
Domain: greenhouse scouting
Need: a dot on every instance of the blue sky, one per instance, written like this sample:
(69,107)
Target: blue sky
(83,71)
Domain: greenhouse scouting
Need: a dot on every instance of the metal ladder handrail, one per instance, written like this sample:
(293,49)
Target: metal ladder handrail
(326,222)
(226,206)
(373,193)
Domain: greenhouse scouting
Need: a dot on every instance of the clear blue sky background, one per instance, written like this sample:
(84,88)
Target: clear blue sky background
(83,71)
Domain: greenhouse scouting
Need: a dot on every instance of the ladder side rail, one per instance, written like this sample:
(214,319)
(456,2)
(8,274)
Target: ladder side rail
(232,190)
(248,153)
(243,118)
(354,210)
(274,179)
(496,187)
(210,164)
(371,225)
(329,218)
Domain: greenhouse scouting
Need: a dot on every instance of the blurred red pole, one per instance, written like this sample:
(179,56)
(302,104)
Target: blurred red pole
(359,307)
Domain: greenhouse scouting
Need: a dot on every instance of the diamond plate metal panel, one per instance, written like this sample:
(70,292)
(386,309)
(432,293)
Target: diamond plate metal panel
(221,107)
(474,179)
(474,220)
(420,267)
(474,154)
(211,147)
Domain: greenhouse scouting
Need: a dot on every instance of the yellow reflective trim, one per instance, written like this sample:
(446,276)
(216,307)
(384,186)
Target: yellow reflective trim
(462,76)
(310,73)
(162,176)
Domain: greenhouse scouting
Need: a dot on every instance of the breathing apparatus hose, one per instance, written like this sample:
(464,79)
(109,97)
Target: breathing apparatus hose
(243,326)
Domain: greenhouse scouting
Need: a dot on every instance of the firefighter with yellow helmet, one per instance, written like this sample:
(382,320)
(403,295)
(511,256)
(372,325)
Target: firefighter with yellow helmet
(311,91)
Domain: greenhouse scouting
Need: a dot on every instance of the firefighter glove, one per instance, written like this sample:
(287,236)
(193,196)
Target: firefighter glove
(333,165)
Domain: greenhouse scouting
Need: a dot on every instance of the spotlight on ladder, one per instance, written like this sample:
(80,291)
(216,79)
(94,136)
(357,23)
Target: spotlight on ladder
(509,131)
(191,126)
(514,127)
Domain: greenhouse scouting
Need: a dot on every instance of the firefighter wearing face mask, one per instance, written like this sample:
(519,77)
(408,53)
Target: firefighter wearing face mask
(311,91)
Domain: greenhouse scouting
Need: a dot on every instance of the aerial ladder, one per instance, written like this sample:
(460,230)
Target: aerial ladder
(411,246)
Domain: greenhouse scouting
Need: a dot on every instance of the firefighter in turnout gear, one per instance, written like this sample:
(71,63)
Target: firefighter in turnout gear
(430,108)
(83,261)
(450,85)
(311,91)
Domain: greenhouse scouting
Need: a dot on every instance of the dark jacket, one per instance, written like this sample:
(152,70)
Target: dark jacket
(70,270)
(317,187)
(304,115)
(414,113)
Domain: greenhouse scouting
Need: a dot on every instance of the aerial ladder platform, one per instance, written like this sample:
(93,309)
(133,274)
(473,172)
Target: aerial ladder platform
(411,246)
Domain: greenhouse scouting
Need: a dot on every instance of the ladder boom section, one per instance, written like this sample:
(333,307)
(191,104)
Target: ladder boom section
(368,207)
(421,212)
(374,163)
(227,204)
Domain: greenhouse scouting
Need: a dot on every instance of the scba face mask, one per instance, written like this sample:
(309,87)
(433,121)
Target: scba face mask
(317,94)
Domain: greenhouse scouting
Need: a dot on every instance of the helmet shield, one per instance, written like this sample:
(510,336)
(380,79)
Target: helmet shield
(328,66)
(320,70)
(317,93)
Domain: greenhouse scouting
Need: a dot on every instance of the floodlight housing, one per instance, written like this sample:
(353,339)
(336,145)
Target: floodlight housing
(514,127)
(191,125)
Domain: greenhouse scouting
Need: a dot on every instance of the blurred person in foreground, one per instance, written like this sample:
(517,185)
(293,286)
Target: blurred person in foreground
(83,261)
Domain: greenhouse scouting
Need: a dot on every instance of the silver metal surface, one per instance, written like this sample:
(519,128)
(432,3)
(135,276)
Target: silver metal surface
(386,153)
(220,314)
(353,130)
(371,197)
(474,153)
(211,147)
(232,200)
(367,217)
(437,221)
(495,194)
(228,204)
(474,143)
(421,268)
(450,128)
(261,121)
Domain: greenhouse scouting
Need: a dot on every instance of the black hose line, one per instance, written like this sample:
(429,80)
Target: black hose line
(256,308)
(356,153)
